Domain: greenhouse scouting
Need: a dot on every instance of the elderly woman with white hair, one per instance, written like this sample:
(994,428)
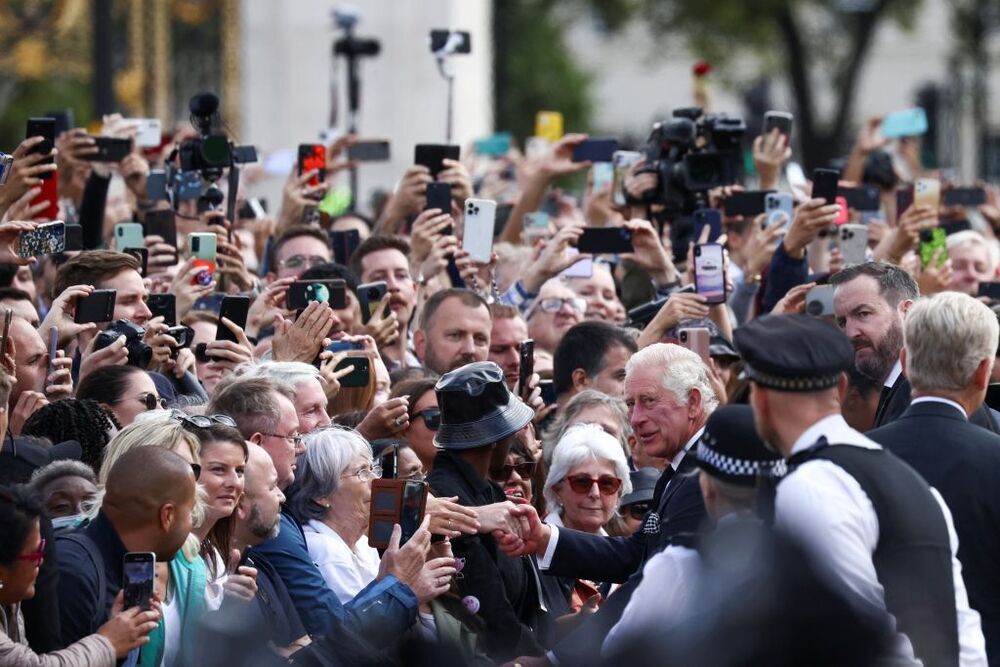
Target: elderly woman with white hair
(974,260)
(331,497)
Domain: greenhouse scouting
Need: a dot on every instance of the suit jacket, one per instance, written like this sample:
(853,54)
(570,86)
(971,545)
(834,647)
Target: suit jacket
(961,461)
(680,509)
(892,405)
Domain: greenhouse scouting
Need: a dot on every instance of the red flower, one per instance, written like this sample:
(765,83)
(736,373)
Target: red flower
(702,67)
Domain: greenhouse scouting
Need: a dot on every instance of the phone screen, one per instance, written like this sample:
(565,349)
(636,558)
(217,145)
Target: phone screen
(139,572)
(313,156)
(526,351)
(709,275)
(235,309)
(825,184)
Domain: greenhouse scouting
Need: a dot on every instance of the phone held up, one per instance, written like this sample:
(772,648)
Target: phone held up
(526,352)
(709,273)
(138,575)
(395,501)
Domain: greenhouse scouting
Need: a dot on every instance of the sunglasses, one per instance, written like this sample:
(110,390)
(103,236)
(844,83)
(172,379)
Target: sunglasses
(202,421)
(525,469)
(431,417)
(152,401)
(36,556)
(606,484)
(298,261)
(635,510)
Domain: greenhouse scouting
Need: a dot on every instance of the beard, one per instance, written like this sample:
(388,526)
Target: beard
(258,528)
(885,354)
(440,365)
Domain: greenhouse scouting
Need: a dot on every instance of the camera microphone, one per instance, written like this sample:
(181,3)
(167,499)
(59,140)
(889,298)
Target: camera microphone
(204,104)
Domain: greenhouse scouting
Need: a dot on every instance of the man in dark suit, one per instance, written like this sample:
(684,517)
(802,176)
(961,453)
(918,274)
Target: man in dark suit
(950,345)
(669,398)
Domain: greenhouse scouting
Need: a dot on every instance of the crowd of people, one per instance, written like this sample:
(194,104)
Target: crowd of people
(615,465)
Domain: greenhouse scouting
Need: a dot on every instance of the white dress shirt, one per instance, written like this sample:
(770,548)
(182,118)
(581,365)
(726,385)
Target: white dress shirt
(894,374)
(346,570)
(550,550)
(825,507)
(939,399)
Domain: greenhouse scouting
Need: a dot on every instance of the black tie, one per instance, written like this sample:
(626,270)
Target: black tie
(661,484)
(883,403)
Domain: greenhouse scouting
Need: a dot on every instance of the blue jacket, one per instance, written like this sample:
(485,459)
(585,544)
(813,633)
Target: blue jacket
(783,274)
(383,611)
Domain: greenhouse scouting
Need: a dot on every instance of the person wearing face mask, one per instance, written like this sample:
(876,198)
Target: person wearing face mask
(64,488)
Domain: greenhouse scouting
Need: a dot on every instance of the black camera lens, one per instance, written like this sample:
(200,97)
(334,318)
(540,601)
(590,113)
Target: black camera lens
(815,307)
(195,243)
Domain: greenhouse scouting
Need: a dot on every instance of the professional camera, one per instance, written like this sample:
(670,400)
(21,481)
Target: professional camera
(182,335)
(139,354)
(692,153)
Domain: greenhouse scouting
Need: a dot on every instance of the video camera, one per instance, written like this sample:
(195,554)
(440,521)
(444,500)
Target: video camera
(692,153)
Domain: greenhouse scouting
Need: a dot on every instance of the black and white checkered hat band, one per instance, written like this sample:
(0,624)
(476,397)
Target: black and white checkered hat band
(771,381)
(739,470)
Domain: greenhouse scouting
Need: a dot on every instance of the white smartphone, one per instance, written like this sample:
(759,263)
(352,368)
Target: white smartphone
(853,243)
(621,161)
(603,176)
(148,132)
(780,210)
(477,234)
(128,235)
(537,148)
(582,269)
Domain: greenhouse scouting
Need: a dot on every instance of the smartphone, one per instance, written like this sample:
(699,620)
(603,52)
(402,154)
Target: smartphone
(98,306)
(313,156)
(8,315)
(344,346)
(906,123)
(853,243)
(989,290)
(47,239)
(46,128)
(330,290)
(930,241)
(477,238)
(749,203)
(698,340)
(536,226)
(360,376)
(843,213)
(707,217)
(142,256)
(53,347)
(432,156)
(964,197)
(549,125)
(605,240)
(138,575)
(825,184)
(461,41)
(165,306)
(863,198)
(904,199)
(780,120)
(395,501)
(595,150)
(780,209)
(621,162)
(156,185)
(369,151)
(526,351)
(819,301)
(110,149)
(927,192)
(161,222)
(439,197)
(709,274)
(583,268)
(495,145)
(234,308)
(369,294)
(49,196)
(148,132)
(603,176)
(548,388)
(389,460)
(128,235)
(74,238)
(6,161)
(203,249)
(344,243)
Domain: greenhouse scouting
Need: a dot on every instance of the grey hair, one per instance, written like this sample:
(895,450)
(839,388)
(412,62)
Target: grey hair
(252,402)
(946,337)
(45,475)
(293,373)
(586,399)
(970,237)
(683,370)
(328,455)
(582,443)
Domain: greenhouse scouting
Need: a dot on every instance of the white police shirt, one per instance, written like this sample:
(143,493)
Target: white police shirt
(825,507)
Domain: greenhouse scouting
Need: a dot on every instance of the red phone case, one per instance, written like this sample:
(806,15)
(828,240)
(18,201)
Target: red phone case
(49,195)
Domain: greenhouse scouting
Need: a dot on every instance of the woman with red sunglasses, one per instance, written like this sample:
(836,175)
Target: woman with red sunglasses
(21,553)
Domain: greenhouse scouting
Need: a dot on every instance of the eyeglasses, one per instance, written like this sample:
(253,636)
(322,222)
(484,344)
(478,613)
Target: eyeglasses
(635,510)
(298,261)
(366,474)
(606,484)
(36,556)
(196,469)
(525,469)
(150,400)
(295,438)
(415,476)
(555,304)
(431,417)
(202,421)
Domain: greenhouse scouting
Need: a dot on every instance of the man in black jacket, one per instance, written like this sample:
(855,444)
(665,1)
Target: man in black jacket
(950,343)
(479,419)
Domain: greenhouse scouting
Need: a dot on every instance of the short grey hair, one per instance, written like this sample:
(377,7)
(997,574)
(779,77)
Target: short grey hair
(582,443)
(293,373)
(946,337)
(252,402)
(586,399)
(59,469)
(970,237)
(683,370)
(328,456)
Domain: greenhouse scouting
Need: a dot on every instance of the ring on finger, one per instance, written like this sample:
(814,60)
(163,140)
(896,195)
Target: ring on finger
(399,420)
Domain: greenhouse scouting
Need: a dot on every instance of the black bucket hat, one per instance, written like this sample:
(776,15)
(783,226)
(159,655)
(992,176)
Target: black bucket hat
(477,409)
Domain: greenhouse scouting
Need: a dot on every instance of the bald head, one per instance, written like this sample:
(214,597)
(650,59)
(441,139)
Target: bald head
(149,497)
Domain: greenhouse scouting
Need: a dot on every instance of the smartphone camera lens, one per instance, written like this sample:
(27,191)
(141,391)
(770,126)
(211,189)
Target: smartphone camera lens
(684,336)
(195,244)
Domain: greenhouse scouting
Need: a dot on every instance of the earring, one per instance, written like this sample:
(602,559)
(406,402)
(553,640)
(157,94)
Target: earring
(1,585)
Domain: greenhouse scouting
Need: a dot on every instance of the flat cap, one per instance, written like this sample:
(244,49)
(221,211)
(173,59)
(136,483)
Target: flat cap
(796,353)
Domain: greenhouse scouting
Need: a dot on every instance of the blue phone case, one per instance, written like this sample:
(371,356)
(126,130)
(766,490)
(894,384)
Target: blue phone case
(907,123)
